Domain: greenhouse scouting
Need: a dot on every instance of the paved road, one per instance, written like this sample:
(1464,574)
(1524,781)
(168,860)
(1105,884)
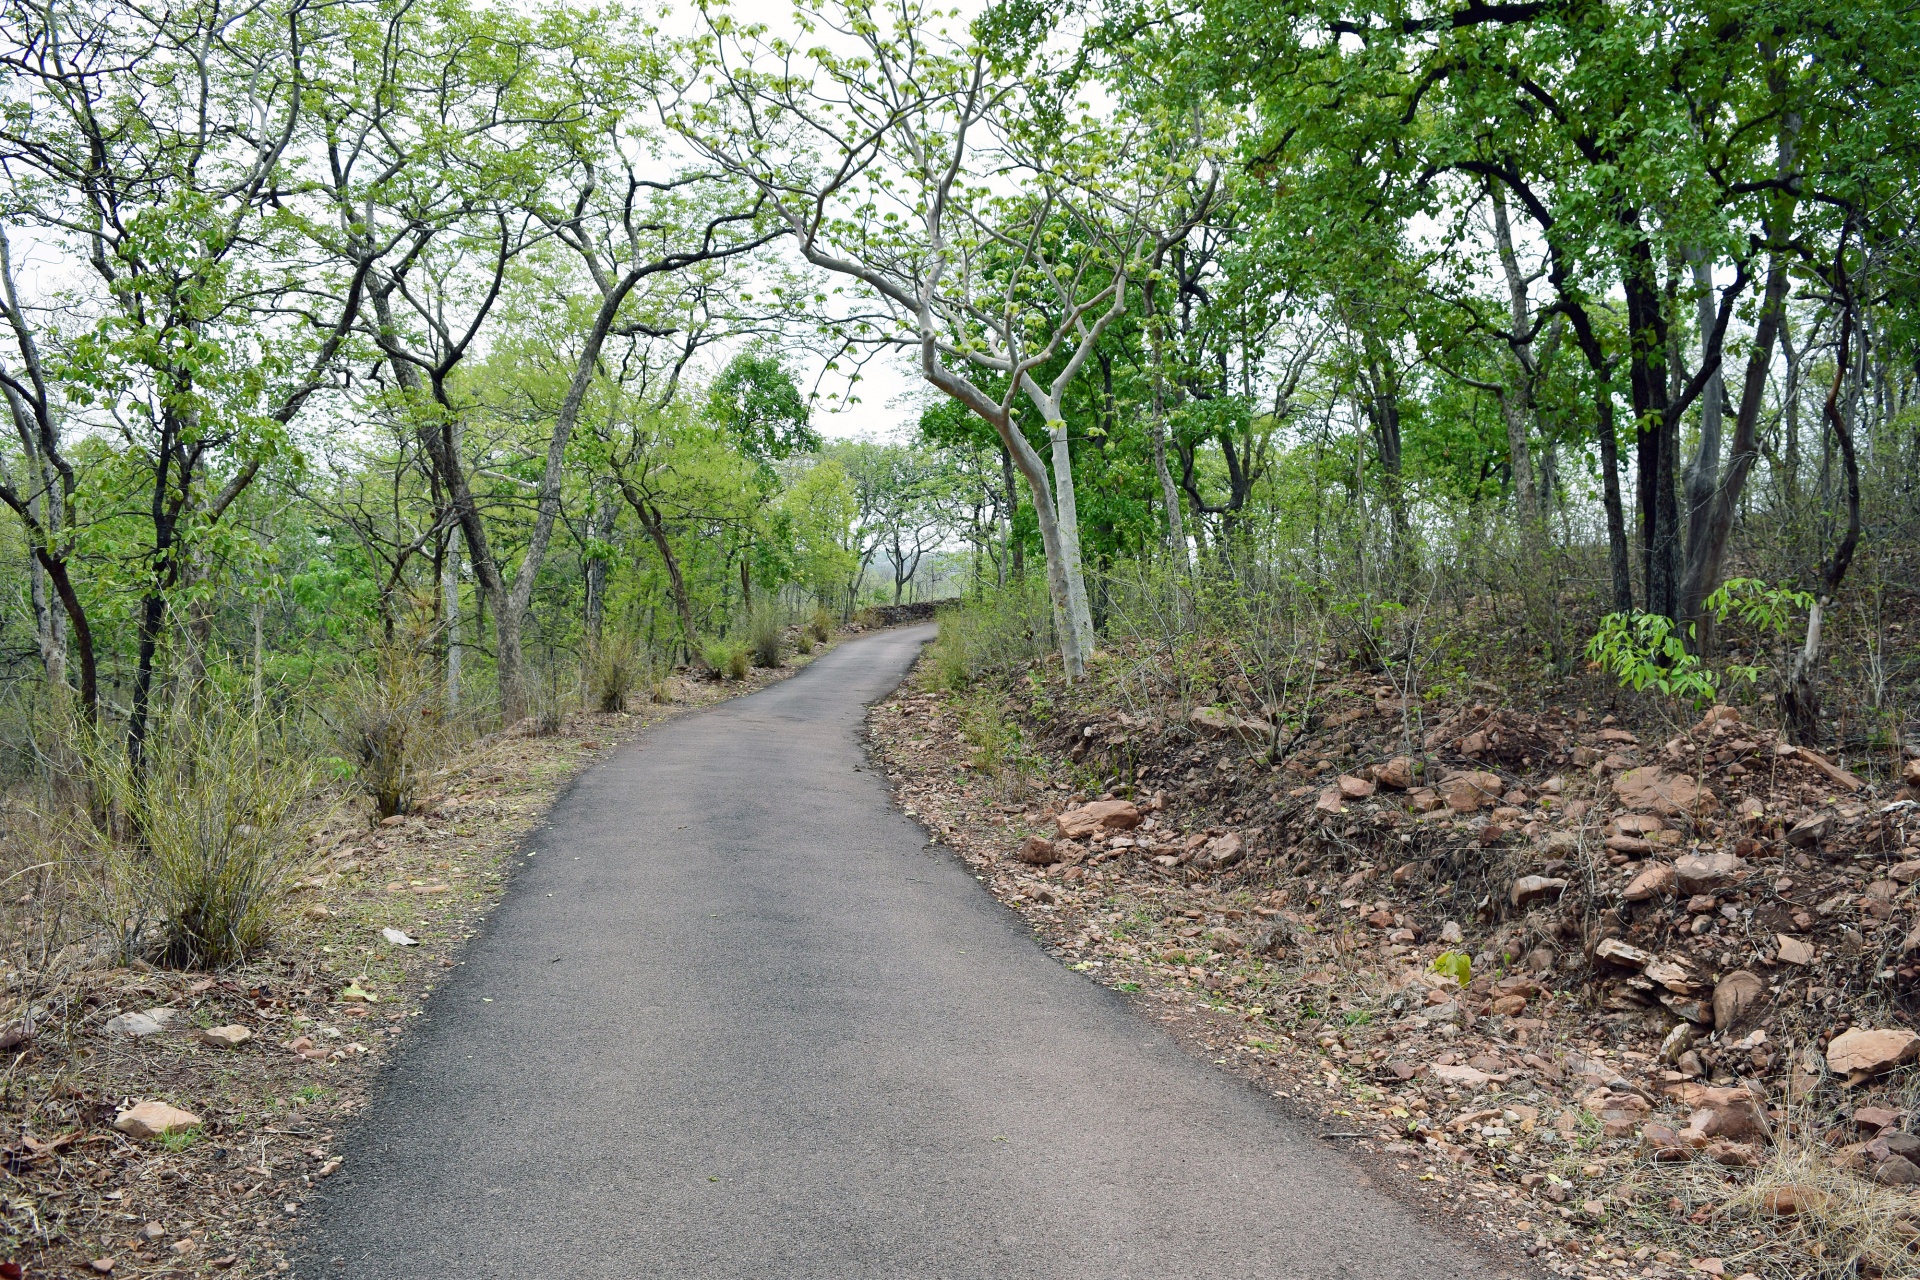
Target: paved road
(745,1023)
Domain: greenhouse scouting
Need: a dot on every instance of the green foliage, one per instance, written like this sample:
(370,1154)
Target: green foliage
(1455,964)
(766,628)
(191,856)
(731,658)
(615,666)
(1646,651)
(389,721)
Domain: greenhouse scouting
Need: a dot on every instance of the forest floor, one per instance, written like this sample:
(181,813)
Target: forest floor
(315,1020)
(1682,1046)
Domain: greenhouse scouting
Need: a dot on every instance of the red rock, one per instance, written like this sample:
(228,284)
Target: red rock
(1528,890)
(1701,872)
(1396,774)
(1667,794)
(1471,789)
(1330,801)
(1614,951)
(1734,1155)
(1655,881)
(1794,950)
(1509,1006)
(152,1119)
(1038,851)
(1354,788)
(1897,1171)
(1734,996)
(1784,1202)
(1099,815)
(1876,1117)
(1860,1054)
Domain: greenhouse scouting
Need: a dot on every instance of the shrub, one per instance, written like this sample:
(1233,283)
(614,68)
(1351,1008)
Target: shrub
(389,725)
(615,665)
(729,658)
(803,642)
(200,846)
(766,628)
(820,625)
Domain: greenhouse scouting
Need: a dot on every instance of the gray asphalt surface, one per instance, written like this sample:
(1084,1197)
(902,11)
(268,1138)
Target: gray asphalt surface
(744,1022)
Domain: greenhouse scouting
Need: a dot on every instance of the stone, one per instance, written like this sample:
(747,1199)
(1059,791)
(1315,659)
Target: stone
(1425,800)
(1688,1007)
(1655,790)
(1450,933)
(1037,851)
(1614,951)
(1677,1042)
(139,1025)
(1785,1202)
(1471,789)
(1509,1006)
(1674,977)
(1905,872)
(1902,1144)
(1559,844)
(1663,1144)
(1811,831)
(1353,788)
(229,1037)
(1396,774)
(1698,873)
(1860,1054)
(1099,815)
(1734,996)
(1733,1155)
(1794,950)
(152,1119)
(1655,881)
(1223,851)
(1876,1118)
(1218,722)
(1528,890)
(1897,1171)
(1225,939)
(1724,1113)
(1330,801)
(1463,1076)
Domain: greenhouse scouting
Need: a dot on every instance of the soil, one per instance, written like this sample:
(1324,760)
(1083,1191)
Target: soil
(1285,915)
(327,1006)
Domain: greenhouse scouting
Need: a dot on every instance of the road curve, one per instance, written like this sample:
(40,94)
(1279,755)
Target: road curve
(738,1019)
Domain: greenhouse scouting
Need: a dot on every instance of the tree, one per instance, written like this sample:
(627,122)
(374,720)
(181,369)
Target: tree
(986,226)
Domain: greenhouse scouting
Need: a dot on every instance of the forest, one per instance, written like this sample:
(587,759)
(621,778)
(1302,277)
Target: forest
(386,372)
(1422,502)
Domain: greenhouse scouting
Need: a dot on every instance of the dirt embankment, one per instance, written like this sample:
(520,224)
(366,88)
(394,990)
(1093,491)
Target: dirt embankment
(168,1123)
(1623,1000)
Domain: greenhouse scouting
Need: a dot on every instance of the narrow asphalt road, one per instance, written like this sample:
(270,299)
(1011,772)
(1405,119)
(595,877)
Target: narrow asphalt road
(738,1019)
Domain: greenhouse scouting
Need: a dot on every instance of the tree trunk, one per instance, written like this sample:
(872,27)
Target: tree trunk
(1802,699)
(1069,538)
(657,533)
(450,614)
(1014,554)
(1169,495)
(1516,405)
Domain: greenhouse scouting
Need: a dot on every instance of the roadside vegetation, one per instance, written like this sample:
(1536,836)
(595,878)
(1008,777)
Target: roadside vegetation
(1299,395)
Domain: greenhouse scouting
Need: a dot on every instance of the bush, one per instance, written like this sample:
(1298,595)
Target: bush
(766,628)
(199,848)
(615,665)
(803,642)
(729,658)
(389,725)
(820,625)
